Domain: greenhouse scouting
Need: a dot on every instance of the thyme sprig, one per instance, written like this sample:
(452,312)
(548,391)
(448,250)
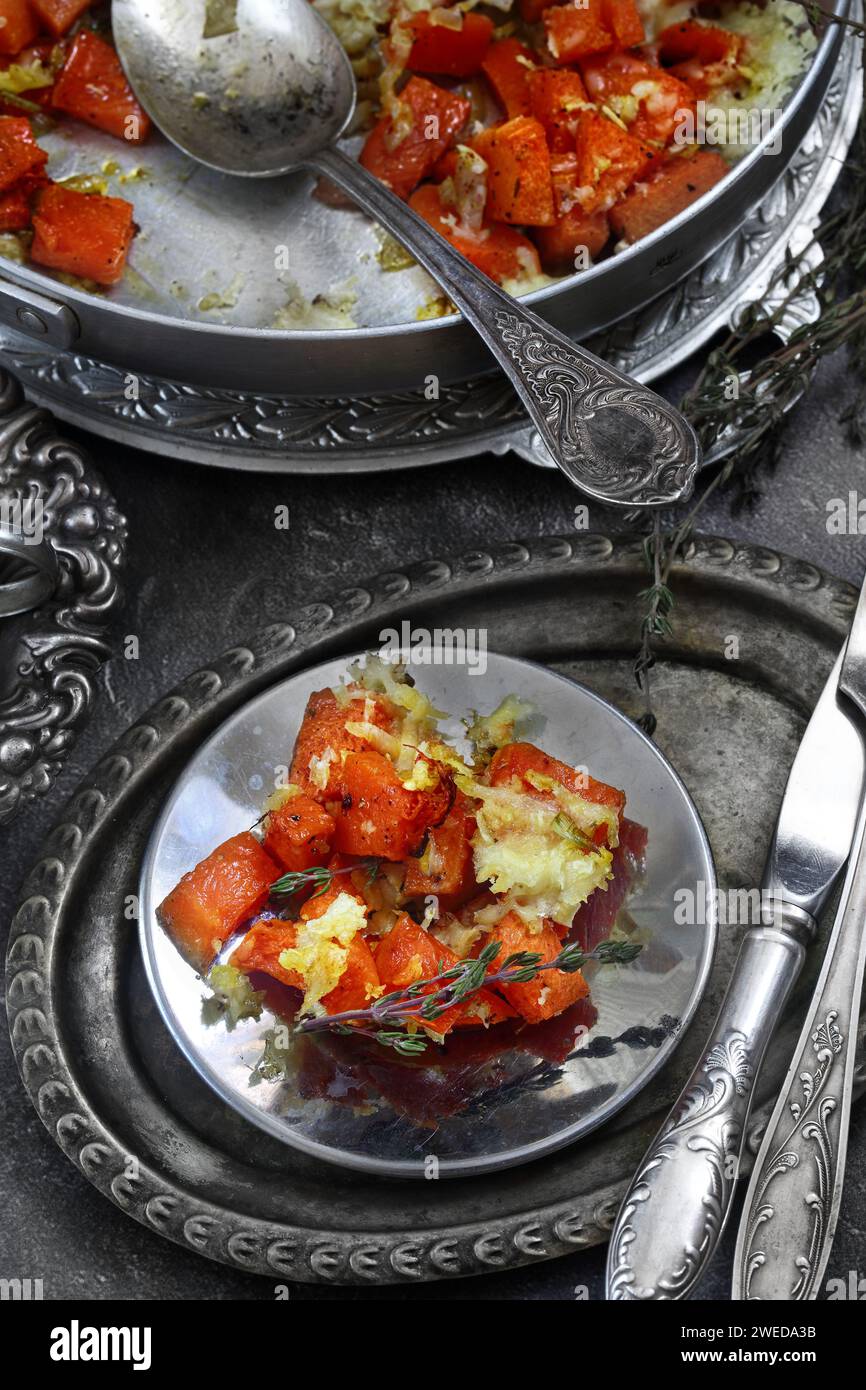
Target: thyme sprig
(732,402)
(320,878)
(391,1019)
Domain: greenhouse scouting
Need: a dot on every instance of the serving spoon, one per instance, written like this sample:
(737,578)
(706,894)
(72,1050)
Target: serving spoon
(260,88)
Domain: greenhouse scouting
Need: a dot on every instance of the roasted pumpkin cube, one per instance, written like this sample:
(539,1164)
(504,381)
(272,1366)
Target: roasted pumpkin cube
(16,204)
(575,30)
(18,25)
(59,15)
(409,954)
(82,234)
(19,153)
(556,96)
(216,897)
(381,818)
(501,252)
(435,118)
(609,160)
(92,86)
(649,100)
(507,66)
(624,22)
(518,172)
(446,869)
(551,991)
(299,833)
(573,234)
(323,739)
(439,48)
(678,183)
(517,760)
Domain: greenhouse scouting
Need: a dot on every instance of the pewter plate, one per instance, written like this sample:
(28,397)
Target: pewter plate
(108,1079)
(497,1110)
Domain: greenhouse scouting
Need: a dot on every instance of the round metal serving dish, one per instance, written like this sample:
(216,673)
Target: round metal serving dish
(487,1102)
(208,236)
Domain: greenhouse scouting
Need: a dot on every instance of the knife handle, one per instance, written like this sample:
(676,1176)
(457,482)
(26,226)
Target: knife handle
(675,1209)
(792,1204)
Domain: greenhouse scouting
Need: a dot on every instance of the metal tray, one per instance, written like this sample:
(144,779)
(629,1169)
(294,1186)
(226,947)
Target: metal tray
(205,231)
(119,1098)
(316,433)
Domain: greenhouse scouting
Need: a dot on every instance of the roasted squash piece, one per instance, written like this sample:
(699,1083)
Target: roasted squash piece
(575,231)
(82,234)
(516,760)
(446,869)
(409,953)
(556,96)
(678,183)
(507,67)
(519,188)
(16,204)
(575,30)
(551,991)
(501,252)
(215,897)
(19,153)
(651,101)
(323,739)
(624,22)
(59,15)
(436,116)
(609,160)
(439,48)
(379,816)
(92,86)
(18,25)
(299,833)
(265,942)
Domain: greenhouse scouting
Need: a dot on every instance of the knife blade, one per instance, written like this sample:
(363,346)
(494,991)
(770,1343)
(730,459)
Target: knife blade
(676,1207)
(792,1202)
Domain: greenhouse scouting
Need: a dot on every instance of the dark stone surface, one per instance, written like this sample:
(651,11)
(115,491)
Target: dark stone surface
(207,568)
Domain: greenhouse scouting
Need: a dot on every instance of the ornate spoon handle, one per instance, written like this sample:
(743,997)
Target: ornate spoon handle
(615,439)
(792,1203)
(675,1210)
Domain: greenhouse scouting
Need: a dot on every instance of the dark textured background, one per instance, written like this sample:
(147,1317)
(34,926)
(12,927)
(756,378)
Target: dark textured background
(206,569)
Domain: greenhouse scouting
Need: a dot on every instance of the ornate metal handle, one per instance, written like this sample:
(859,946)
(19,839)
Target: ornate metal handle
(676,1207)
(616,440)
(792,1204)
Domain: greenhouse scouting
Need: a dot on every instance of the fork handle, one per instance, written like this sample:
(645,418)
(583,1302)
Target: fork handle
(792,1203)
(675,1210)
(613,438)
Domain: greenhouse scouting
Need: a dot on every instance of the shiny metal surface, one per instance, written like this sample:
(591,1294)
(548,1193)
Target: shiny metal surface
(670,1222)
(203,232)
(517,1108)
(272,96)
(792,1204)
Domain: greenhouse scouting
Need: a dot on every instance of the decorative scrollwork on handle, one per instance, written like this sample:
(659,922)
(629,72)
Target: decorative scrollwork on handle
(704,1134)
(807,1138)
(615,439)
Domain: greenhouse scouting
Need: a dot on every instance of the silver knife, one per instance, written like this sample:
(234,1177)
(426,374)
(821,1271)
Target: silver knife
(792,1203)
(676,1207)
